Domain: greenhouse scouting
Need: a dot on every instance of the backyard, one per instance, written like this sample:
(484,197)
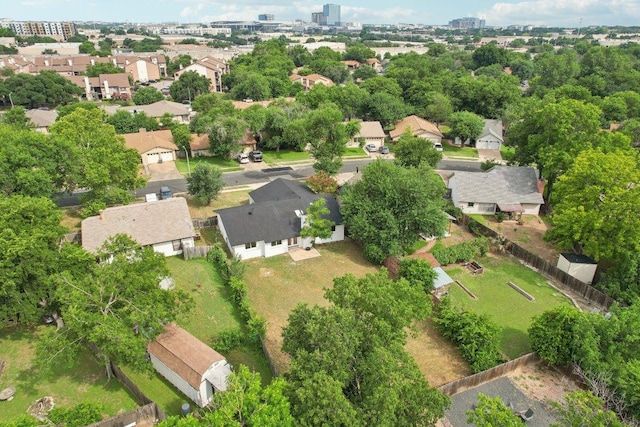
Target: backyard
(84,380)
(507,308)
(277,284)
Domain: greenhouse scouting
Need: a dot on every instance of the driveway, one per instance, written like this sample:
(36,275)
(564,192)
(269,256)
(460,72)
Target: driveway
(164,171)
(484,155)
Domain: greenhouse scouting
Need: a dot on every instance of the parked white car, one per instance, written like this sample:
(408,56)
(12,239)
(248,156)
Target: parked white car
(242,158)
(438,146)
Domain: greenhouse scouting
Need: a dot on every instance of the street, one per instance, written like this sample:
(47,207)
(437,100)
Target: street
(232,179)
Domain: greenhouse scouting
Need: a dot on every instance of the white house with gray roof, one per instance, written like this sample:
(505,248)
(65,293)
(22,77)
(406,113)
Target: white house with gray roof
(508,189)
(271,223)
(165,225)
(490,138)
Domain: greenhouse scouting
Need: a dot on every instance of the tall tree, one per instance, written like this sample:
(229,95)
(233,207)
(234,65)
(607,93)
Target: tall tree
(205,182)
(116,304)
(466,125)
(411,151)
(316,224)
(391,205)
(147,95)
(105,166)
(583,409)
(225,135)
(189,86)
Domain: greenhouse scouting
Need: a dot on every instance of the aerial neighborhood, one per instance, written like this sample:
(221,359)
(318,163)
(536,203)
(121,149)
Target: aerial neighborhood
(316,221)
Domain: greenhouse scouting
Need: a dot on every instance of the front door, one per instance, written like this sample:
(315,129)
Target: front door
(292,241)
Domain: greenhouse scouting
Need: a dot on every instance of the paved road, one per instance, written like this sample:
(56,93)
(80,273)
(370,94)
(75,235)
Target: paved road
(232,179)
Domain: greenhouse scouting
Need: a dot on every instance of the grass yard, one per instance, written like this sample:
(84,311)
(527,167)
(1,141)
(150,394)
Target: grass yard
(225,199)
(227,165)
(276,285)
(283,156)
(354,152)
(85,380)
(71,219)
(507,308)
(455,151)
(214,311)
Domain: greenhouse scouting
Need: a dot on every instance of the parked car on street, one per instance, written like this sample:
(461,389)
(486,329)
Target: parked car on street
(372,148)
(256,155)
(242,158)
(165,193)
(383,149)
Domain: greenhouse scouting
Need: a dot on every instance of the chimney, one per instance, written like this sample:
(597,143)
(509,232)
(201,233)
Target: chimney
(101,215)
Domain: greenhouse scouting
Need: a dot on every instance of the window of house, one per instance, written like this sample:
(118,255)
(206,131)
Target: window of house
(333,228)
(276,243)
(250,245)
(177,244)
(470,204)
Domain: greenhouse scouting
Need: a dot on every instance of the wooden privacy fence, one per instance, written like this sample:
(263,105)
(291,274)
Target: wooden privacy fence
(481,377)
(149,414)
(590,293)
(195,252)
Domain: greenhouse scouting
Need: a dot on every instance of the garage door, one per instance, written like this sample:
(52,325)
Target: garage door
(153,158)
(166,156)
(487,145)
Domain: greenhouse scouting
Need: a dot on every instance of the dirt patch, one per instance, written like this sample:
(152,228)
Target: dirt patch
(543,383)
(266,272)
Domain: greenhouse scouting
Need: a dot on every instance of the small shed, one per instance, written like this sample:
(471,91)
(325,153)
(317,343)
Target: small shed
(581,267)
(189,364)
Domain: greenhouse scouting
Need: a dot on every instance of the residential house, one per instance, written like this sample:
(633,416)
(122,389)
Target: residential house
(209,67)
(369,133)
(165,225)
(180,112)
(443,281)
(311,80)
(151,66)
(271,223)
(513,190)
(199,145)
(418,127)
(153,146)
(18,64)
(42,119)
(190,365)
(351,64)
(105,86)
(490,138)
(375,64)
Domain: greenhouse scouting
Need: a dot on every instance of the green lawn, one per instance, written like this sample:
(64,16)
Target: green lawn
(283,156)
(455,151)
(225,165)
(355,152)
(508,308)
(214,311)
(85,380)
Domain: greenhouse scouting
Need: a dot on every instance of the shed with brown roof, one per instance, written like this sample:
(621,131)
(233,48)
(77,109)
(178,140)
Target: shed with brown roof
(165,225)
(194,368)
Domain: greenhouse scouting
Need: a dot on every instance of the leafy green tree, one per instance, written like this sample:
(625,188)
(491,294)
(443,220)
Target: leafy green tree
(385,108)
(178,63)
(363,73)
(551,334)
(225,135)
(491,411)
(181,136)
(317,226)
(381,84)
(328,135)
(388,208)
(29,229)
(322,182)
(438,107)
(252,86)
(418,272)
(205,182)
(46,88)
(102,163)
(65,110)
(247,403)
(16,117)
(103,68)
(554,69)
(124,121)
(147,95)
(359,52)
(115,304)
(189,86)
(592,201)
(466,125)
(489,54)
(80,415)
(411,151)
(256,117)
(584,409)
(350,98)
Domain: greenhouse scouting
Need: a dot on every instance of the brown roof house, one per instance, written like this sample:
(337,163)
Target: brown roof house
(209,67)
(311,80)
(165,225)
(153,146)
(180,112)
(105,86)
(369,133)
(418,127)
(189,364)
(42,119)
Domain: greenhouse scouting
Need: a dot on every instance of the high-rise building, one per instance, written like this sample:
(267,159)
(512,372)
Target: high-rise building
(316,18)
(60,30)
(466,23)
(331,14)
(266,17)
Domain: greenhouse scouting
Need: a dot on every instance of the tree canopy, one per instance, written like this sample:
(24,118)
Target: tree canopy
(205,182)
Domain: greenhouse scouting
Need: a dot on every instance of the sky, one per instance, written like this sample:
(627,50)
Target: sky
(562,13)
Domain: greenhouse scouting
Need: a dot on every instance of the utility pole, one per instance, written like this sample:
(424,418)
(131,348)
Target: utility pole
(579,27)
(188,166)
(11,99)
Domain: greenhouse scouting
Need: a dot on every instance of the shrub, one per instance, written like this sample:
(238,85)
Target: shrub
(79,415)
(228,339)
(257,326)
(500,216)
(418,272)
(217,256)
(461,252)
(238,289)
(322,182)
(374,254)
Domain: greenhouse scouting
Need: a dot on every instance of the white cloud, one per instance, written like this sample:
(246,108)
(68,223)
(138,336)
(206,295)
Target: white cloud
(564,13)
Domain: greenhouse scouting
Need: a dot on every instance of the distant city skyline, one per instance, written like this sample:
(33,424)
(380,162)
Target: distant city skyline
(563,13)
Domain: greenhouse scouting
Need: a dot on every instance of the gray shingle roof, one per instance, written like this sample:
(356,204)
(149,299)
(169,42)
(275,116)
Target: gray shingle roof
(500,184)
(272,215)
(146,223)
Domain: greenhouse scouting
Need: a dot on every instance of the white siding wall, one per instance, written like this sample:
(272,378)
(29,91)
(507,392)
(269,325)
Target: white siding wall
(176,380)
(531,209)
(217,374)
(488,142)
(244,253)
(337,236)
(478,208)
(431,137)
(166,248)
(282,248)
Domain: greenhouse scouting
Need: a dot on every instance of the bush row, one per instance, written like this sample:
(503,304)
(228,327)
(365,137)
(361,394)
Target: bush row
(232,271)
(475,335)
(461,252)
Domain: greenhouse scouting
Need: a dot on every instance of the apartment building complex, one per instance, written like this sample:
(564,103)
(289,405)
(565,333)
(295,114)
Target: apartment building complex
(57,30)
